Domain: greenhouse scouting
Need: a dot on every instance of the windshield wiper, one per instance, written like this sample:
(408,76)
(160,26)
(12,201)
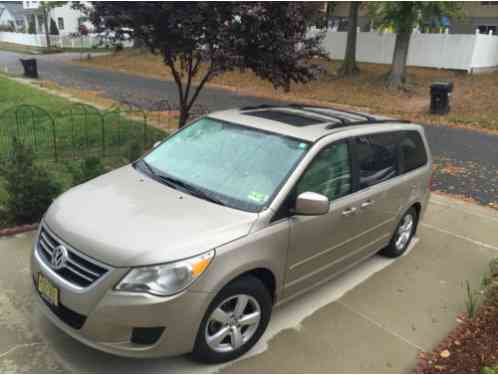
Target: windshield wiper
(176,183)
(190,188)
(147,166)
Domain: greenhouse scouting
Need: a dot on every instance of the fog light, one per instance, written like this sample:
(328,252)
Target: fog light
(146,335)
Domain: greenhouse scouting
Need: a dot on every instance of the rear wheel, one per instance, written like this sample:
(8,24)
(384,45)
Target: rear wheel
(403,235)
(234,322)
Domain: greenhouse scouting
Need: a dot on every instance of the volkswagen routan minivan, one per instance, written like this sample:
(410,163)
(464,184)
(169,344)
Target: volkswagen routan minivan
(189,248)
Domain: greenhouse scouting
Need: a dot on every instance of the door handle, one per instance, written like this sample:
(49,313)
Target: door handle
(349,211)
(367,204)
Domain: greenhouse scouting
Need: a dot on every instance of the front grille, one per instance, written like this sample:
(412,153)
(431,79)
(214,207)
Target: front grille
(79,269)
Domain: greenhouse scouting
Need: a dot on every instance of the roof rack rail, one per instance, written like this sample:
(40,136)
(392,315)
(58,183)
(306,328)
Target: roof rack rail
(259,106)
(375,121)
(341,120)
(358,114)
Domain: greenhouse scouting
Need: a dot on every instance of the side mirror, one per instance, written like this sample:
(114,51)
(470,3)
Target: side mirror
(311,204)
(156,144)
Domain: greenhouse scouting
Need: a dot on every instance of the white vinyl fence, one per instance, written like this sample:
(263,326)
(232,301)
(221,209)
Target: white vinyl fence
(39,40)
(468,52)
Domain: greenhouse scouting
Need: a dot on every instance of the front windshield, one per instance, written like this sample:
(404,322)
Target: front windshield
(239,166)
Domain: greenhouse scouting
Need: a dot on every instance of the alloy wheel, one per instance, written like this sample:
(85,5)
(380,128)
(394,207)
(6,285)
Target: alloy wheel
(404,232)
(232,323)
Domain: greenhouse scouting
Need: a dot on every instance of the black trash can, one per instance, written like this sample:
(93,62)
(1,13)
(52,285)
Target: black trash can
(440,97)
(30,68)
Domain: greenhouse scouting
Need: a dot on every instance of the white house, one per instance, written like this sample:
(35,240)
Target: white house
(26,16)
(67,19)
(13,16)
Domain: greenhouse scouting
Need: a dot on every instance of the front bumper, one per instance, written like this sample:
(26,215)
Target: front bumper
(109,317)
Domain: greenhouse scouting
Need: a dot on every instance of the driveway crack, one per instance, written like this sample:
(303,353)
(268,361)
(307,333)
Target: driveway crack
(15,347)
(381,326)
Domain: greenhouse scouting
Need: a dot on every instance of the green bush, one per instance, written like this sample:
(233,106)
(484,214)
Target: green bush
(85,170)
(30,188)
(134,152)
(490,370)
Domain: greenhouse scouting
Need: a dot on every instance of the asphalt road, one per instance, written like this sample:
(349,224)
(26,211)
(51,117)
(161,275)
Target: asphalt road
(467,161)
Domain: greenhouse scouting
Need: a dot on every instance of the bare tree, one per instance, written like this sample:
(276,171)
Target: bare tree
(349,66)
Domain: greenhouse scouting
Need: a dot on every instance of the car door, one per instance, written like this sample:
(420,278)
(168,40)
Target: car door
(381,193)
(319,245)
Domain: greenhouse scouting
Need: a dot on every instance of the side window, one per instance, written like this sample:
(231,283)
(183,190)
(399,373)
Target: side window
(412,151)
(377,158)
(329,173)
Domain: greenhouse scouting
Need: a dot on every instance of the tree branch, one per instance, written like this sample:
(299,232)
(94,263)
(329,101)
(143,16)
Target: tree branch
(178,80)
(198,89)
(189,78)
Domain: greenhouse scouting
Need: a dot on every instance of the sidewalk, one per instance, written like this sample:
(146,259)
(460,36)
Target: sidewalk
(375,318)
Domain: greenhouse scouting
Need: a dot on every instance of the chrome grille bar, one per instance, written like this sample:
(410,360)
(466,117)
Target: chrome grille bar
(79,269)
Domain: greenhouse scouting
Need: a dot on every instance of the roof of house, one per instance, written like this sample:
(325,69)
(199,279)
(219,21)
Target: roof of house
(16,9)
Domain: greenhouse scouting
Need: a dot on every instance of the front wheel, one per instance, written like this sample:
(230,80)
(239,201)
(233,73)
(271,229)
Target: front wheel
(234,321)
(403,235)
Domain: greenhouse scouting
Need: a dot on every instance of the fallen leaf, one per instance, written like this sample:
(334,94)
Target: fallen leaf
(445,353)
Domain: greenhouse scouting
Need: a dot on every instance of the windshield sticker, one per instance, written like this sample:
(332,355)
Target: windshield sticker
(303,146)
(257,197)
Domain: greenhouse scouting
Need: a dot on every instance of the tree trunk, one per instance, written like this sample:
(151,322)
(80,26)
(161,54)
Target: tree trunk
(47,32)
(397,76)
(184,115)
(349,67)
(329,13)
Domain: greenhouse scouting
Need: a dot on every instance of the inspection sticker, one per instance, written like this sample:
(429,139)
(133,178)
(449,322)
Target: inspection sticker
(257,197)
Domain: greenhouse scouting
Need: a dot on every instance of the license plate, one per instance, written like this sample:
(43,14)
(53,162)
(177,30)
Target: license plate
(47,290)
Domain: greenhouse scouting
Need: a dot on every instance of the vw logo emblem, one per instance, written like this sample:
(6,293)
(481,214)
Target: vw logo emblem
(59,257)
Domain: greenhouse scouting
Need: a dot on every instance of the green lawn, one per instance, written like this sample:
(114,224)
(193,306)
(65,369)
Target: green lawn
(61,132)
(58,128)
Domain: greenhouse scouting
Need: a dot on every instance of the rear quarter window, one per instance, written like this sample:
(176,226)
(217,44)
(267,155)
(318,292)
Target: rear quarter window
(412,151)
(377,158)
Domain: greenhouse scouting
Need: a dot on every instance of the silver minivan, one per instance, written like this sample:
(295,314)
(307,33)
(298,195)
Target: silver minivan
(189,248)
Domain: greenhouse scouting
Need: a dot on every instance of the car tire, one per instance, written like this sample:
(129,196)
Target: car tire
(403,235)
(208,348)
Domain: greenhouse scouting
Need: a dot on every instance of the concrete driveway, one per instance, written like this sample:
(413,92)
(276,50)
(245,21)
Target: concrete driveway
(375,318)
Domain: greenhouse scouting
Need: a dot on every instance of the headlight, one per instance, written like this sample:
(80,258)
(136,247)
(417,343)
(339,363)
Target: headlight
(166,279)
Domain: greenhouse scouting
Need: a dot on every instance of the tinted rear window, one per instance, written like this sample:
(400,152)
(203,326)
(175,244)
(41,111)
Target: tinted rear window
(377,158)
(412,151)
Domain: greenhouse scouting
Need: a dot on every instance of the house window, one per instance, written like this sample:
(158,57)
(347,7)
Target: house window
(60,23)
(485,29)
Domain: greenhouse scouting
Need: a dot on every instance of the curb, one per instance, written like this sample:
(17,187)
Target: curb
(17,230)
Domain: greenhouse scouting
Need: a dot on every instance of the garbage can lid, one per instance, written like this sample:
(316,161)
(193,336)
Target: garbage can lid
(442,85)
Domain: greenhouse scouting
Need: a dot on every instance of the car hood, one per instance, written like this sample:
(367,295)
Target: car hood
(125,218)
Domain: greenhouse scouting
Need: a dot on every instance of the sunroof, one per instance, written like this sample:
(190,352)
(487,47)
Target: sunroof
(287,117)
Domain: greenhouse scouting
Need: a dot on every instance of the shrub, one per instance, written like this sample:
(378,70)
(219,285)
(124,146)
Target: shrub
(8,28)
(471,300)
(490,370)
(85,170)
(30,188)
(134,152)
